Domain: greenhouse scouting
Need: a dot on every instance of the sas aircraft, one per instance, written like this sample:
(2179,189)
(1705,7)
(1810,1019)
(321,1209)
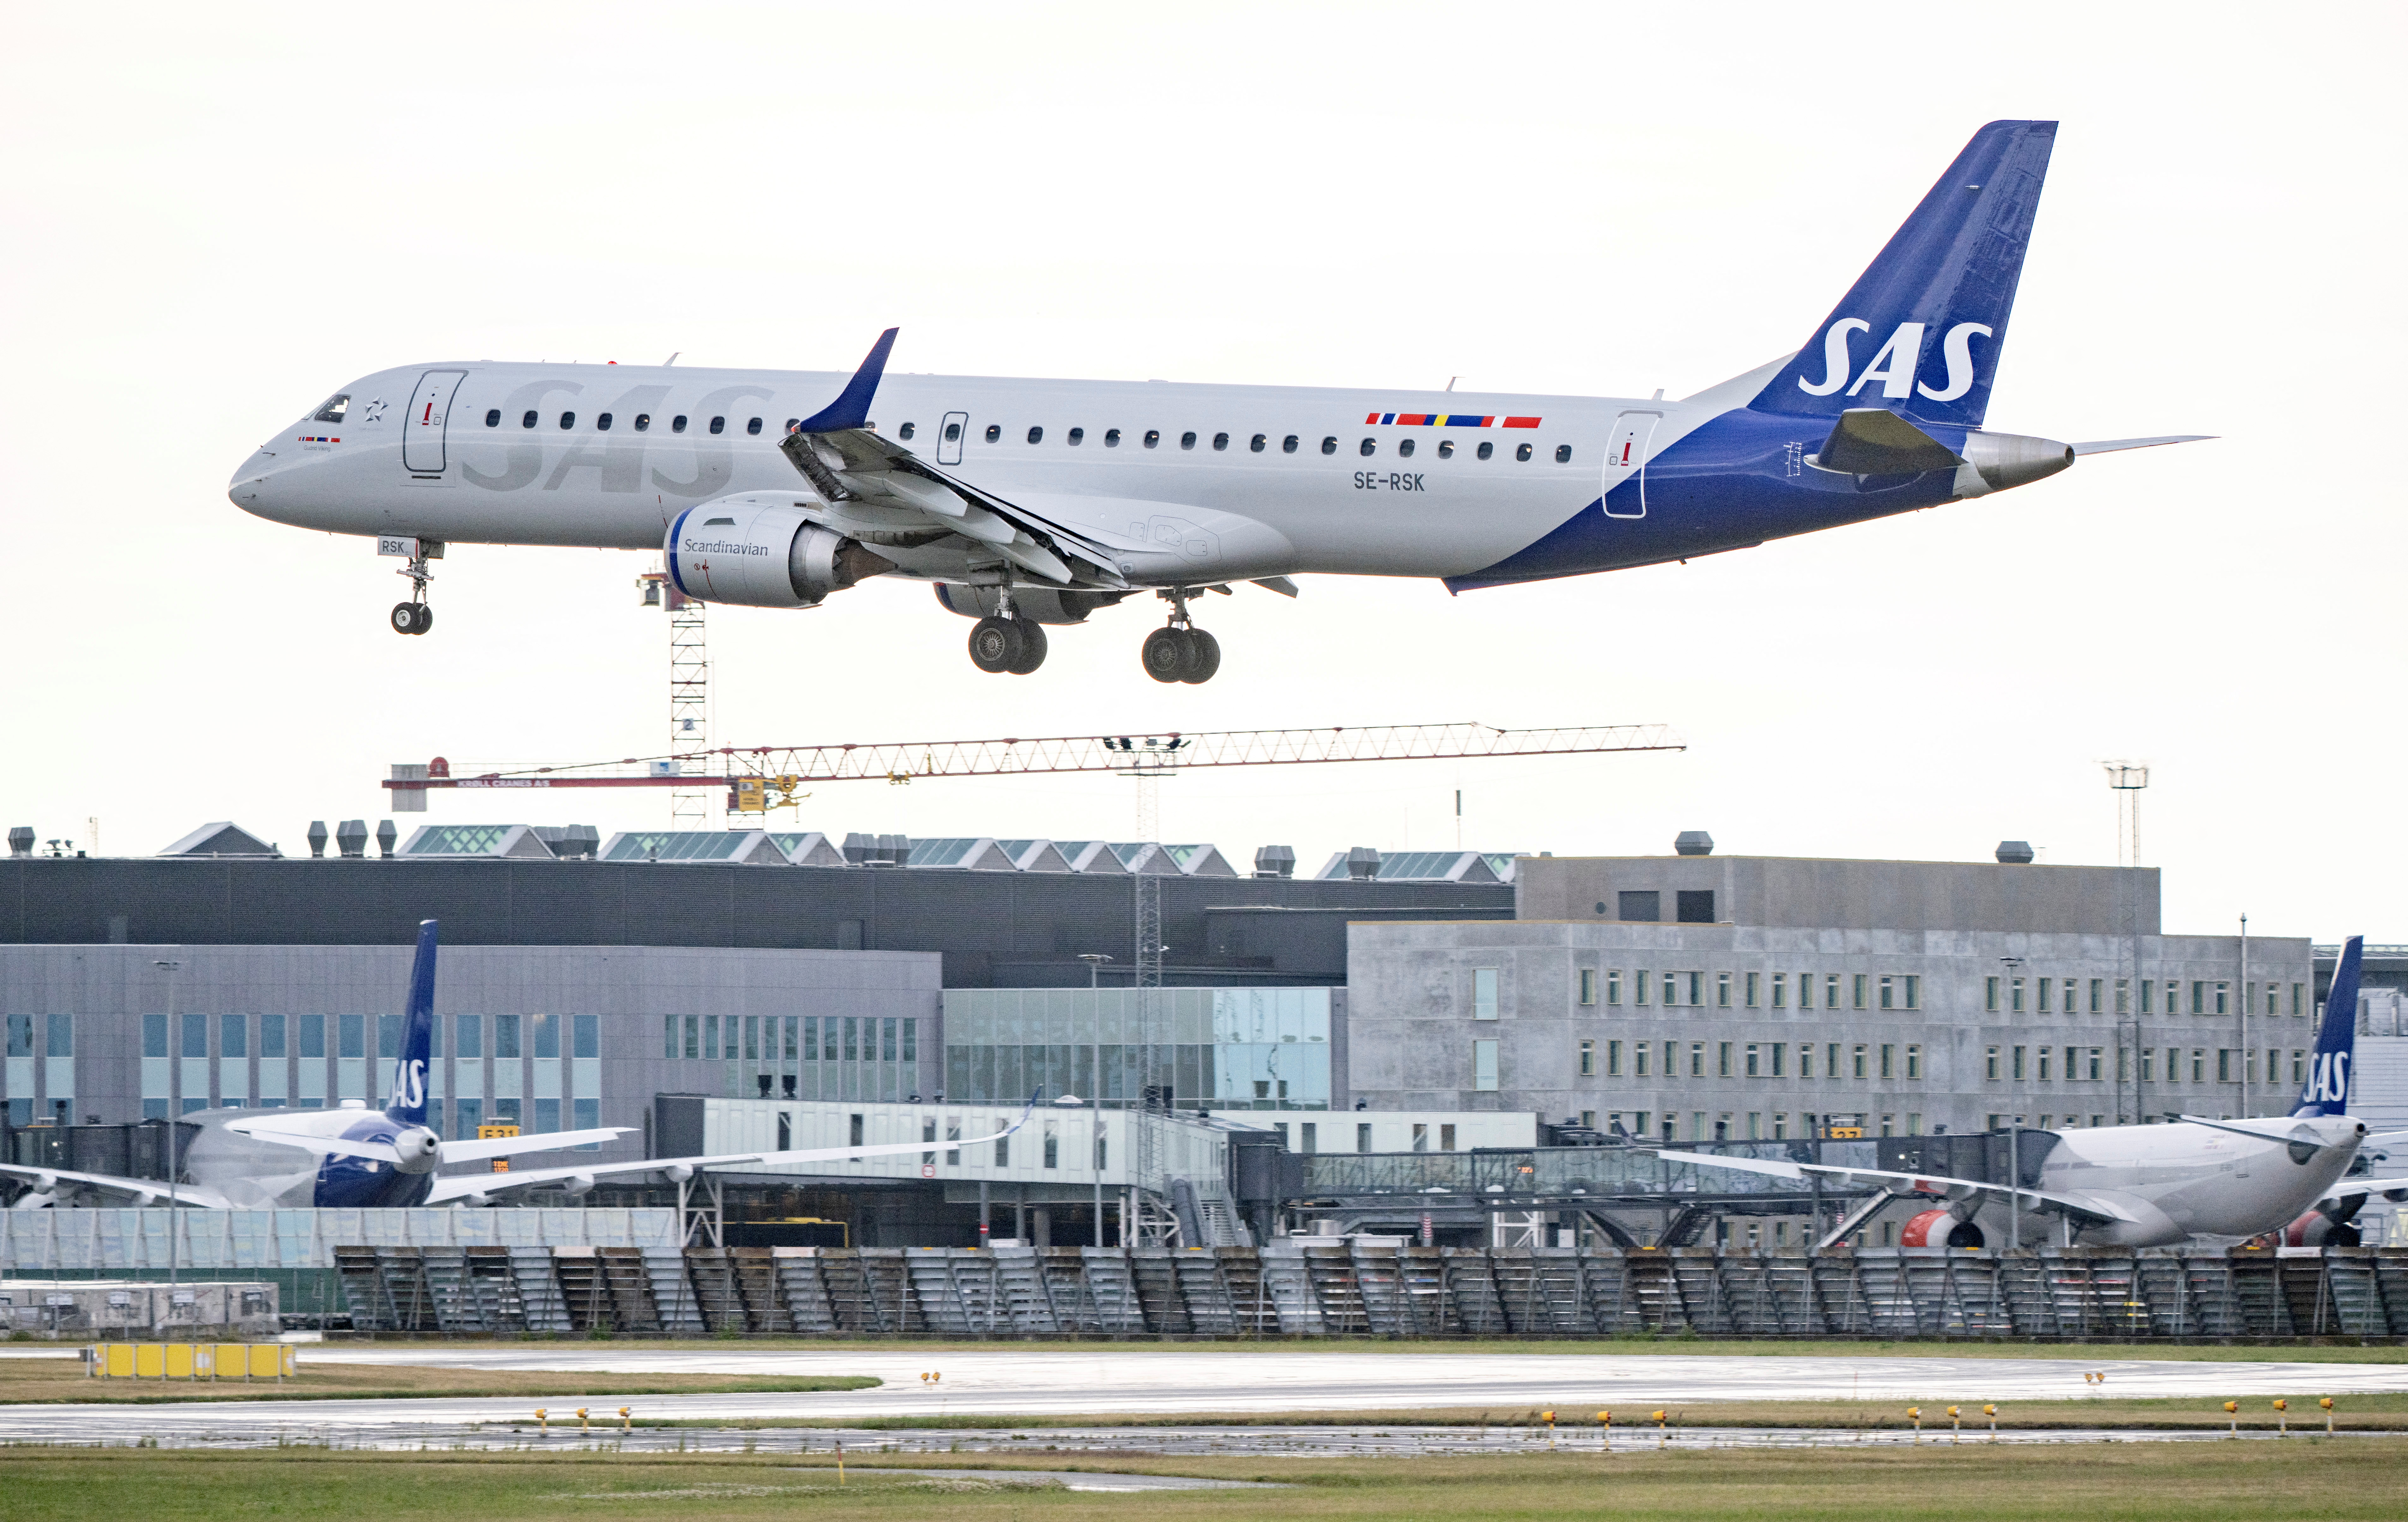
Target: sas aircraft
(2154,1186)
(1030,505)
(357,1158)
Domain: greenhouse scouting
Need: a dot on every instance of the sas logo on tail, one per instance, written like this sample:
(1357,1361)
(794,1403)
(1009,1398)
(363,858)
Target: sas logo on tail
(1895,363)
(2328,1083)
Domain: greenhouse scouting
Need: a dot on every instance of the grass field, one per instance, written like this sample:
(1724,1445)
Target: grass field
(51,1380)
(2281,1352)
(2342,1479)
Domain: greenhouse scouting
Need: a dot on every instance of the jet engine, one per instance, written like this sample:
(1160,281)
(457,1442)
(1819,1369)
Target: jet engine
(1940,1229)
(763,554)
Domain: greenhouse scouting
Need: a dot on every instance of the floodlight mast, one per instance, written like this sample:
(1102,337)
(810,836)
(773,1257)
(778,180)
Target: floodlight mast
(773,773)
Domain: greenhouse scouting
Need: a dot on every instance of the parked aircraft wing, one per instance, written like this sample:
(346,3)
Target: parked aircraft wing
(2086,1205)
(144,1191)
(845,462)
(464,1151)
(510,1147)
(2394,1189)
(469,1185)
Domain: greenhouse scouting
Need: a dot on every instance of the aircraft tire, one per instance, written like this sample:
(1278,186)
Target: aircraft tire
(1203,657)
(996,645)
(425,619)
(1032,648)
(405,617)
(1164,655)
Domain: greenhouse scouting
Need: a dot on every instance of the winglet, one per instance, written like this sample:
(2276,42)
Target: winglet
(850,409)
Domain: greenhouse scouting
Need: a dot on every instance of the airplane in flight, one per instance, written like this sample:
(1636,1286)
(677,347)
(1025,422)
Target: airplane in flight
(356,1158)
(1032,504)
(2154,1186)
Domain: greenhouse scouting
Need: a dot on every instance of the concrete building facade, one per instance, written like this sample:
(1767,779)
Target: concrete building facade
(1737,997)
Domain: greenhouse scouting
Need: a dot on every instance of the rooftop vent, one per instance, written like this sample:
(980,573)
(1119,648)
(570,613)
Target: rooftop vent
(1694,843)
(21,840)
(385,835)
(352,837)
(2015,852)
(1362,863)
(1275,861)
(317,837)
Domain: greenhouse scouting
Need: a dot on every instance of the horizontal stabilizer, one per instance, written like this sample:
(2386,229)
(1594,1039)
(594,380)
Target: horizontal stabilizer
(1874,441)
(2109,446)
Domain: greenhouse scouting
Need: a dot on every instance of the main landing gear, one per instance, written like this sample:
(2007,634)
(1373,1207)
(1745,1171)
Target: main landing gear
(414,616)
(1008,643)
(1179,652)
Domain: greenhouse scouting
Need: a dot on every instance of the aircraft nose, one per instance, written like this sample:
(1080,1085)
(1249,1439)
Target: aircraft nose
(249,486)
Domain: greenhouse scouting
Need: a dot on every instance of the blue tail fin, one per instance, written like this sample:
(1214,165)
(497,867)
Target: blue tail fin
(1920,331)
(407,1103)
(2327,1091)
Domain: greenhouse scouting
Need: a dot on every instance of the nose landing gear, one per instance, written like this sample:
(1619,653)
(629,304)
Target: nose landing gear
(414,616)
(1179,652)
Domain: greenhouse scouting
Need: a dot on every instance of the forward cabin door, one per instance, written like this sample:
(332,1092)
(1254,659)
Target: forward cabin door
(1634,435)
(421,437)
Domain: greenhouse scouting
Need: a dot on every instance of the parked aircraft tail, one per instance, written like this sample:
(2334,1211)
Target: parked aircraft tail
(2327,1089)
(1920,331)
(405,1103)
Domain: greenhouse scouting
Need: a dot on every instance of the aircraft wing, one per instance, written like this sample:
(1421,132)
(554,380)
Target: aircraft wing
(2383,1138)
(464,1151)
(870,486)
(1935,1184)
(468,1186)
(144,1191)
(2395,1188)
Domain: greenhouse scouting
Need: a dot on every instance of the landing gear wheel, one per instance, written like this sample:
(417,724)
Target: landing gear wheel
(412,618)
(1165,656)
(1203,657)
(1032,648)
(997,645)
(425,619)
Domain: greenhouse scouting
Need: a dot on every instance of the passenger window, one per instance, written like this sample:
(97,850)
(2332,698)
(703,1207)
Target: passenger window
(1036,435)
(906,431)
(494,418)
(753,426)
(1220,441)
(793,423)
(1446,449)
(643,422)
(1287,444)
(1371,446)
(334,410)
(994,431)
(1487,448)
(1563,455)
(1112,438)
(602,423)
(1521,451)
(719,425)
(1075,437)
(952,433)
(1258,442)
(1329,445)
(527,422)
(677,424)
(1405,447)
(567,421)
(1152,437)
(1187,441)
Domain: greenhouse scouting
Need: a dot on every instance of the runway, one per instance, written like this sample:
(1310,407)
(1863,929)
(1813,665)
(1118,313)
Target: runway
(1003,1382)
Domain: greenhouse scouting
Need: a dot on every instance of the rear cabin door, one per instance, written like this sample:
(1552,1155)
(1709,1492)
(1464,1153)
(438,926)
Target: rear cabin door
(422,438)
(1634,435)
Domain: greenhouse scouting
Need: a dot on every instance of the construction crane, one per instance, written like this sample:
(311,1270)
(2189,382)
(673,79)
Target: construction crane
(689,691)
(763,778)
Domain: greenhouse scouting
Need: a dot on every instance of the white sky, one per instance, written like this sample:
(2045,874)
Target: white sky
(218,215)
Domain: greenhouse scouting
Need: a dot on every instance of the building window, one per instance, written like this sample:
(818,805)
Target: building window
(1421,1137)
(2148,1064)
(1694,906)
(1638,987)
(1805,1060)
(1697,1058)
(1990,1063)
(1696,990)
(2221,992)
(2019,1064)
(1779,1053)
(1640,1052)
(2098,995)
(1755,982)
(1886,994)
(1886,1072)
(2016,995)
(1362,1137)
(1445,1137)
(1640,904)
(2149,996)
(1754,1059)
(2123,996)
(1914,1124)
(1723,990)
(1914,1061)
(2198,999)
(2046,1054)
(1054,1145)
(1588,985)
(2198,1065)
(1484,1066)
(2224,1065)
(1857,1063)
(1779,989)
(1613,986)
(2298,999)
(1484,993)
(1588,1059)
(1613,1058)
(1990,994)
(2097,1066)
(1722,1059)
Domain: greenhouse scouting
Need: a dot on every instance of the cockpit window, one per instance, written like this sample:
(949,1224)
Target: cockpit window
(334,410)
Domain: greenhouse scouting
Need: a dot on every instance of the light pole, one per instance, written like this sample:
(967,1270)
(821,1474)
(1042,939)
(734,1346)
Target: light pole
(2248,1058)
(2127,779)
(175,1124)
(2013,966)
(1095,960)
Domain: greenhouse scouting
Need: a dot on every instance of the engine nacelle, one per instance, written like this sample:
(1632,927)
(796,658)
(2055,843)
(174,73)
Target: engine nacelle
(1940,1229)
(763,553)
(1043,604)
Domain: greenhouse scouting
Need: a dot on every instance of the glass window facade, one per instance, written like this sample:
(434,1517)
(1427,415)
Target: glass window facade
(1214,1048)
